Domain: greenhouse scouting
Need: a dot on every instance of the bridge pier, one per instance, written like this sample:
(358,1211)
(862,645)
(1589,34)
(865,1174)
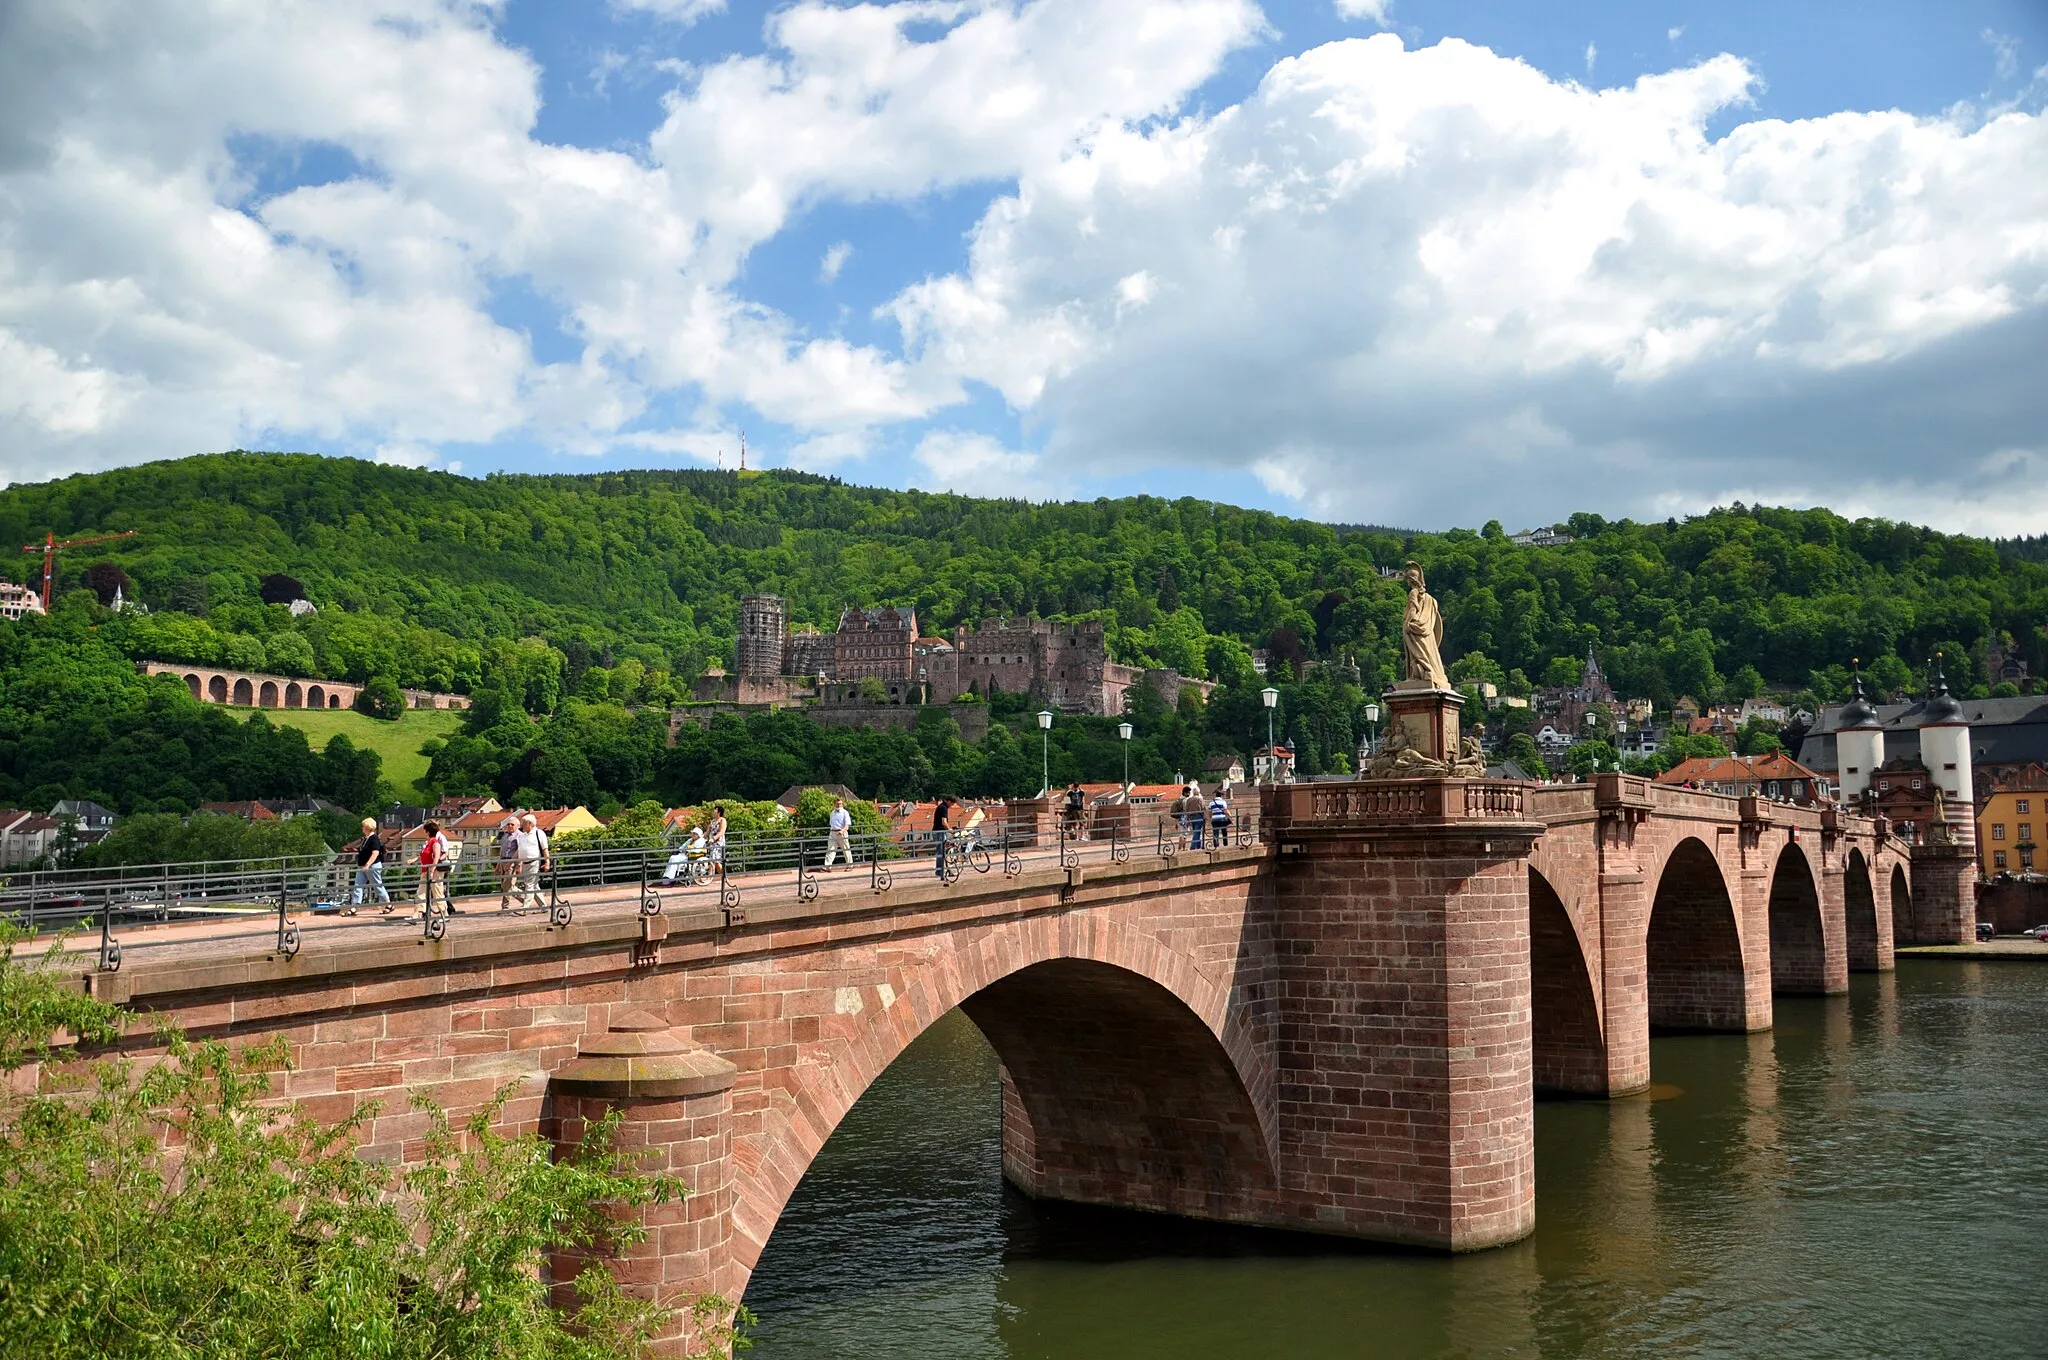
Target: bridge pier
(1405,1053)
(674,1100)
(1942,906)
(1834,924)
(1625,979)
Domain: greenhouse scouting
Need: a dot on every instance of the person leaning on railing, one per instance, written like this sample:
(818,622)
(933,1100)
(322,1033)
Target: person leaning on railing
(942,831)
(433,868)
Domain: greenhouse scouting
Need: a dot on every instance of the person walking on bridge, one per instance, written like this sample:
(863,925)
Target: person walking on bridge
(369,869)
(837,830)
(1192,811)
(714,839)
(508,861)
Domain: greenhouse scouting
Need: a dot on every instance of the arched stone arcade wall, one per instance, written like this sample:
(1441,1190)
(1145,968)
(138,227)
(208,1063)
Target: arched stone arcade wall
(252,689)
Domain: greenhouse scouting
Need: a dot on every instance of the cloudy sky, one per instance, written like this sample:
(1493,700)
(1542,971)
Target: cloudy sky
(1422,262)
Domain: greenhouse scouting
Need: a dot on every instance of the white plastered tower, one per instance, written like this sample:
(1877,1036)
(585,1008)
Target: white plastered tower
(1945,751)
(1859,746)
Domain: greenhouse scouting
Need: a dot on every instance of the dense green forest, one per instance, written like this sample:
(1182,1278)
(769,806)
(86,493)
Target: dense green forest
(580,608)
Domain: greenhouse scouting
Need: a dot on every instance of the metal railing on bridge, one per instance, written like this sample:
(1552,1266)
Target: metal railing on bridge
(269,899)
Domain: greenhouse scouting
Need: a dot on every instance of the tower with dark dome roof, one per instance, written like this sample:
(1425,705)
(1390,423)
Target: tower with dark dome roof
(1945,751)
(1859,743)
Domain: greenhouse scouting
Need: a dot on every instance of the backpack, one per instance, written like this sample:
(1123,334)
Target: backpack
(1219,813)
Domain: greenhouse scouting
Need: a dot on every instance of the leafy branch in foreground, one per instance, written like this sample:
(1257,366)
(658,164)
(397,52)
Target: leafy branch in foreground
(170,1206)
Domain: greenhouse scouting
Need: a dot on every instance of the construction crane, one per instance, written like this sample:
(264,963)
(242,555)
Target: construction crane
(50,547)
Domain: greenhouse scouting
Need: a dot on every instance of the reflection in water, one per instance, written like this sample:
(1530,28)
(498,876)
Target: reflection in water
(1871,1177)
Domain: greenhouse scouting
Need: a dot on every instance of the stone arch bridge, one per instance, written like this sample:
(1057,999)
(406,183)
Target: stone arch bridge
(1341,1029)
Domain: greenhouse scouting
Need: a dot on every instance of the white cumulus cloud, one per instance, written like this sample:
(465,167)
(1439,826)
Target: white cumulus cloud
(1424,286)
(1437,285)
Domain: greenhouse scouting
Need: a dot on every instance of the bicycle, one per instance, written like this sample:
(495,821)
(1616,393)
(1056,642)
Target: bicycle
(963,850)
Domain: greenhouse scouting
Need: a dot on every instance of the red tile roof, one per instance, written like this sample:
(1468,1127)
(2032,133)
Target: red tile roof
(1737,770)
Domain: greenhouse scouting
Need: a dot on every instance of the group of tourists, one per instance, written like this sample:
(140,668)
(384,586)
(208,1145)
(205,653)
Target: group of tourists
(522,856)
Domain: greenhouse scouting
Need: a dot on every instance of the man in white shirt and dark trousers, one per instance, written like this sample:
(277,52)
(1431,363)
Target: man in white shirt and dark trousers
(837,829)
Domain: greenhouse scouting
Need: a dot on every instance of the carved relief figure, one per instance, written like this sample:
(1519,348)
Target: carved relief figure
(1422,635)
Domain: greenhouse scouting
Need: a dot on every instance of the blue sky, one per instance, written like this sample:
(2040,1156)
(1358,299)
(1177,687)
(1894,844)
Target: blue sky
(1279,254)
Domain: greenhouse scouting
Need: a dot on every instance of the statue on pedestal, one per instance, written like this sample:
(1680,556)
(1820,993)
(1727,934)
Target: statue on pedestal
(1422,635)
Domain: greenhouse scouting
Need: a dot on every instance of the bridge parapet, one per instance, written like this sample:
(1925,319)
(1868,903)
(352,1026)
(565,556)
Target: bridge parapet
(1393,802)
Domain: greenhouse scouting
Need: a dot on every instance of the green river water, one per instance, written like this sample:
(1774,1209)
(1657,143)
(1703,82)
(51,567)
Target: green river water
(1870,1178)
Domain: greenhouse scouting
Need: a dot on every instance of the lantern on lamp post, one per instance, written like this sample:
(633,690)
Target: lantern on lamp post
(1272,697)
(1045,752)
(1123,730)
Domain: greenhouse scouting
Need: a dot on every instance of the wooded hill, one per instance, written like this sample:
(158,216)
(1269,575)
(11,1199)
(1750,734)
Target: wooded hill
(577,609)
(424,575)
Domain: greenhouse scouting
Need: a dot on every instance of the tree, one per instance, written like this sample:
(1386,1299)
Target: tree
(277,588)
(1477,667)
(872,690)
(263,1233)
(107,577)
(1746,683)
(562,778)
(1590,757)
(289,653)
(1682,748)
(1758,736)
(1520,747)
(1563,672)
(380,697)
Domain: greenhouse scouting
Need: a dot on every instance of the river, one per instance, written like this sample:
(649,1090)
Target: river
(1868,1178)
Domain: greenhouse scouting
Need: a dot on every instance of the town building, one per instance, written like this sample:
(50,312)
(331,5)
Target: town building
(16,601)
(1550,536)
(875,643)
(1764,710)
(1223,770)
(1772,775)
(1903,793)
(248,810)
(1273,764)
(26,837)
(1569,704)
(807,652)
(2010,807)
(91,822)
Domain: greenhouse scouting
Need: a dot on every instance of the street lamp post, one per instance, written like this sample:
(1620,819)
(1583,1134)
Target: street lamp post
(1272,697)
(1045,751)
(1124,730)
(1372,718)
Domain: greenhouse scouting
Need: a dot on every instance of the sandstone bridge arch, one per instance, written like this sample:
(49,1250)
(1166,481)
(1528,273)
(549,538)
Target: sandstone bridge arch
(1697,964)
(1128,1080)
